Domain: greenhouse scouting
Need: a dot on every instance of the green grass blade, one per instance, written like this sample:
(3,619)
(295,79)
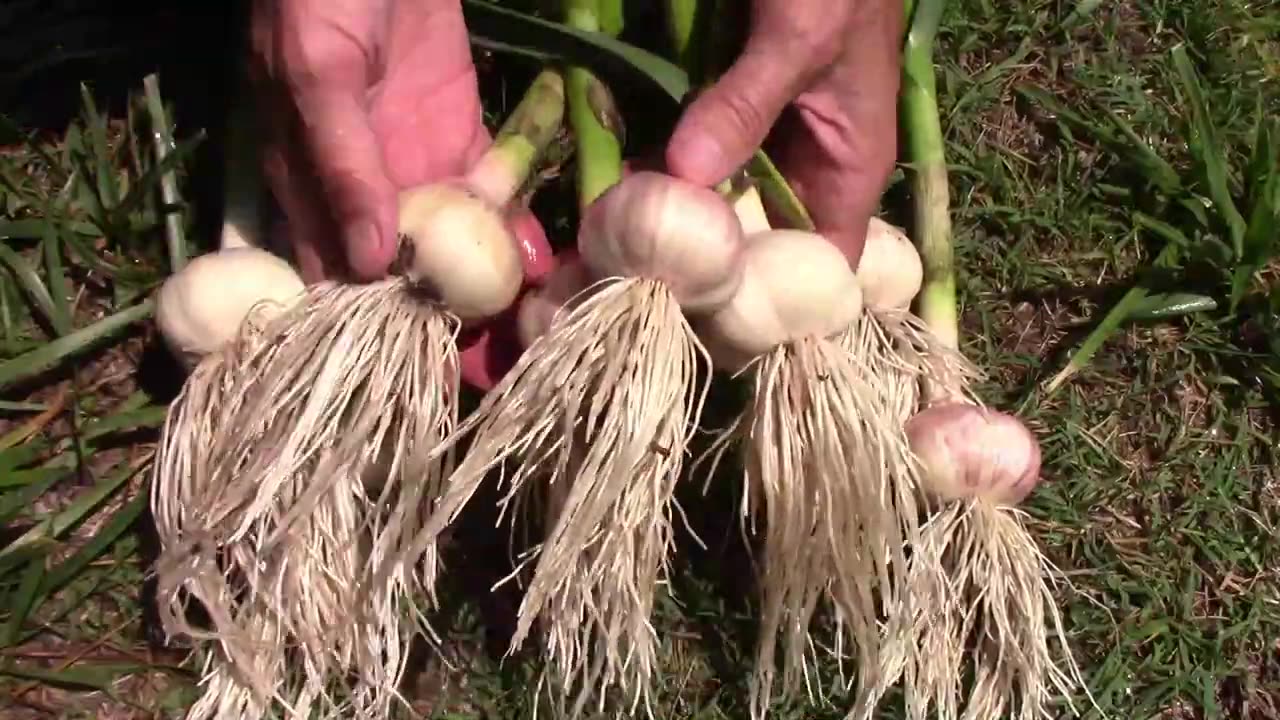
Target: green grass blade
(1119,138)
(19,604)
(100,677)
(99,150)
(34,228)
(72,515)
(150,416)
(1266,153)
(488,22)
(49,356)
(11,307)
(1111,322)
(1207,147)
(24,478)
(13,504)
(16,457)
(1162,306)
(59,289)
(150,179)
(119,523)
(1157,169)
(85,253)
(1162,230)
(1263,185)
(10,406)
(1122,311)
(29,280)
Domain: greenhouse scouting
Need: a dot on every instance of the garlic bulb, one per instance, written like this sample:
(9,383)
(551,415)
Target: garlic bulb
(973,452)
(890,270)
(201,307)
(539,306)
(460,248)
(655,226)
(794,284)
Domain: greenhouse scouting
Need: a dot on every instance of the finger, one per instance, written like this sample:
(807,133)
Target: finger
(838,145)
(306,225)
(788,45)
(325,53)
(426,109)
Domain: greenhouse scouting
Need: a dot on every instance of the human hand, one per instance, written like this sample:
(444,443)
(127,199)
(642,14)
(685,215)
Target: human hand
(819,79)
(365,98)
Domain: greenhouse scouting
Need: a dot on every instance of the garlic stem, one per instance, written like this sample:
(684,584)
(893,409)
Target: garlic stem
(592,114)
(749,207)
(926,152)
(689,25)
(610,17)
(510,160)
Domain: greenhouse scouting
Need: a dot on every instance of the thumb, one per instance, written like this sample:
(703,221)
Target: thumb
(727,123)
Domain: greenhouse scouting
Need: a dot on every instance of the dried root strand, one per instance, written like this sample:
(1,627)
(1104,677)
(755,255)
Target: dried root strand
(900,352)
(976,576)
(999,597)
(600,408)
(834,483)
(905,354)
(337,415)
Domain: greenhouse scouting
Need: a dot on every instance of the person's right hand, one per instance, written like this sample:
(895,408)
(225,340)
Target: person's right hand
(365,98)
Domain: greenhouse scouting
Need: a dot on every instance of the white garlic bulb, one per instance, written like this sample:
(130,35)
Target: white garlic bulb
(201,307)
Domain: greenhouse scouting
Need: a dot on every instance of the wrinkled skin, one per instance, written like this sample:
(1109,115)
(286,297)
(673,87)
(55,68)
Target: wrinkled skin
(366,97)
(817,82)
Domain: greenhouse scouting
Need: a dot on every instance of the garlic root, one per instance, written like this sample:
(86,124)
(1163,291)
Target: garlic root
(822,453)
(284,533)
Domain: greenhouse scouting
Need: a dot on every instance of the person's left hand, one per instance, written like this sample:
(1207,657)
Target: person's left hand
(819,79)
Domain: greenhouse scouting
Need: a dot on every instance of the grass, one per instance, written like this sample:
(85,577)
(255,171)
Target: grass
(1162,500)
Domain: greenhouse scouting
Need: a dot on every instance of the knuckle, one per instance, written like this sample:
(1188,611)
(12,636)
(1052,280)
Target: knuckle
(321,48)
(744,113)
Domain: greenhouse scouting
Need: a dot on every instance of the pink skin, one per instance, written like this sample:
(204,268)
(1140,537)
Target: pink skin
(817,83)
(369,78)
(367,97)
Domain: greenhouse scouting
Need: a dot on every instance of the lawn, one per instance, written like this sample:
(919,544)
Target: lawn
(1083,161)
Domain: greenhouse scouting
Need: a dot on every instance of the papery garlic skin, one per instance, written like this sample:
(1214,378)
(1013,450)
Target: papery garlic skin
(539,305)
(655,226)
(795,284)
(201,307)
(459,247)
(890,269)
(971,452)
